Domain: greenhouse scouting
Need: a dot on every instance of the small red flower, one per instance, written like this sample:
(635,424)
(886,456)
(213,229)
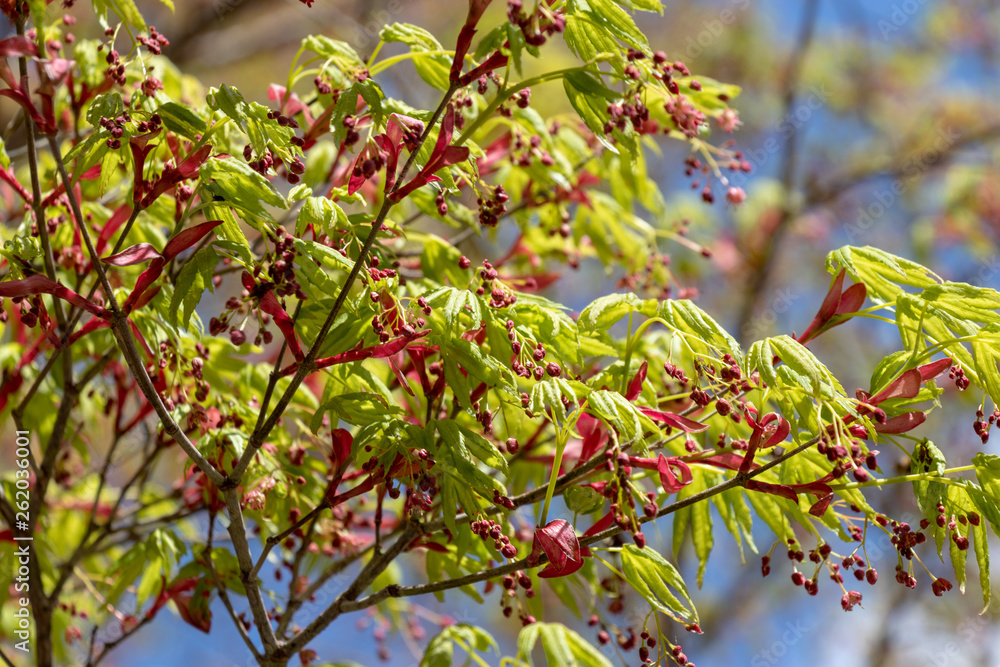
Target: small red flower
(269,304)
(171,176)
(850,599)
(772,424)
(384,151)
(940,586)
(443,155)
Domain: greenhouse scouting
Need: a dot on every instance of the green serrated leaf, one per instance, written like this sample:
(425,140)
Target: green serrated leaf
(586,39)
(589,97)
(701,523)
(547,396)
(452,303)
(432,65)
(333,49)
(195,277)
(605,311)
(241,187)
(772,514)
(980,543)
(881,272)
(562,646)
(658,582)
(182,120)
(129,13)
(106,105)
(683,316)
(440,649)
(324,215)
(988,501)
(618,412)
(356,408)
(642,5)
(526,640)
(109,167)
(957,500)
(583,499)
(611,19)
(476,362)
(927,458)
(229,233)
(458,437)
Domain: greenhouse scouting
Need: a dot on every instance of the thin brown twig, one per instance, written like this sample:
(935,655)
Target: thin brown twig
(223,594)
(74,316)
(275,374)
(820,194)
(119,326)
(368,574)
(238,534)
(398,591)
(307,365)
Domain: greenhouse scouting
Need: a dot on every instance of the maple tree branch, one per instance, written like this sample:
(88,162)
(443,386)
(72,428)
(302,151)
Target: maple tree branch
(764,264)
(223,594)
(119,326)
(238,534)
(36,190)
(399,591)
(343,601)
(307,365)
(126,344)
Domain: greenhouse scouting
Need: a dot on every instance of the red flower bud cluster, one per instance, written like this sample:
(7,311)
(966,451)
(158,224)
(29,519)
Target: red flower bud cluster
(155,42)
(538,26)
(492,208)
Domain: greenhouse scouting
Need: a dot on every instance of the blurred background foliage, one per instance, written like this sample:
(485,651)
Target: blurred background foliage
(866,122)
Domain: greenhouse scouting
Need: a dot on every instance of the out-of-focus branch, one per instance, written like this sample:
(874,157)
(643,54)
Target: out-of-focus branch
(819,194)
(205,18)
(762,265)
